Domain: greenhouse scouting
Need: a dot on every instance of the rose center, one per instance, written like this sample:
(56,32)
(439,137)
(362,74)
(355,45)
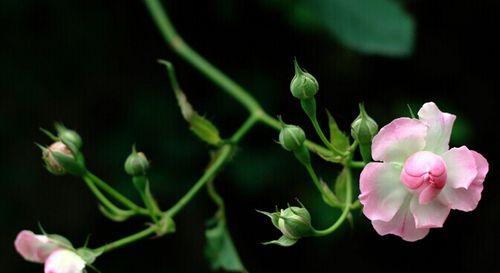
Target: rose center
(425,174)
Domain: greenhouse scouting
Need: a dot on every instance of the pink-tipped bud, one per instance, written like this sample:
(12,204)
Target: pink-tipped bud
(51,162)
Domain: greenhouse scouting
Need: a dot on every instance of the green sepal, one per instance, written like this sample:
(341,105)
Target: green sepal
(275,216)
(282,241)
(60,240)
(88,255)
(74,166)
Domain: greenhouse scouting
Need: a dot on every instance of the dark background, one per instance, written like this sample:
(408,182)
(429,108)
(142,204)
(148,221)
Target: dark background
(92,65)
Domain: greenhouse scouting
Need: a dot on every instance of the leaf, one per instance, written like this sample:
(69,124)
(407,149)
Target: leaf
(369,26)
(338,138)
(340,185)
(200,126)
(220,250)
(282,241)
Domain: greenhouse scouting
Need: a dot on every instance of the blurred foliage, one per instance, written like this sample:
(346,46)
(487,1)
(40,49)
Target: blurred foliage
(369,26)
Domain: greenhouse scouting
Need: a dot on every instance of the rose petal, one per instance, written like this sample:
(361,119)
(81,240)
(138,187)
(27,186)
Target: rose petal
(467,199)
(402,225)
(440,125)
(382,192)
(461,167)
(398,140)
(429,215)
(64,261)
(34,248)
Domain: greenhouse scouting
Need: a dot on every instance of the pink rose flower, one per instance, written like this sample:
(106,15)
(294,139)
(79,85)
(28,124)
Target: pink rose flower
(42,249)
(419,179)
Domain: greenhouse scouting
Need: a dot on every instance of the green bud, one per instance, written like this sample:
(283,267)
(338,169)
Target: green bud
(69,137)
(303,85)
(52,164)
(363,128)
(291,137)
(136,164)
(295,222)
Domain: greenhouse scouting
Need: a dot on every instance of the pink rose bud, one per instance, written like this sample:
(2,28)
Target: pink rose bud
(34,248)
(418,179)
(64,261)
(51,163)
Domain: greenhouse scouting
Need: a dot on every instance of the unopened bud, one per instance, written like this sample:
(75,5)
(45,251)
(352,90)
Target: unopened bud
(69,137)
(136,164)
(363,128)
(291,137)
(295,222)
(303,85)
(51,163)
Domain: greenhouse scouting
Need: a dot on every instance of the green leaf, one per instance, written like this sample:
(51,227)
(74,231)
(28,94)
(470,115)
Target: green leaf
(282,241)
(220,250)
(338,138)
(200,126)
(340,185)
(370,26)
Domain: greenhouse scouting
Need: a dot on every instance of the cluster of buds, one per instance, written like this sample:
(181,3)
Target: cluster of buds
(293,222)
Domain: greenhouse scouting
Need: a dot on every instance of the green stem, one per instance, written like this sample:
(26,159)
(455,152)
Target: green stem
(315,178)
(104,201)
(214,195)
(345,211)
(173,39)
(170,35)
(127,240)
(322,136)
(243,130)
(115,194)
(357,164)
(224,153)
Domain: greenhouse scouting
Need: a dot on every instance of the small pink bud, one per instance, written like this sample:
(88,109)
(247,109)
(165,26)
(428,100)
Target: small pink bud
(34,248)
(50,162)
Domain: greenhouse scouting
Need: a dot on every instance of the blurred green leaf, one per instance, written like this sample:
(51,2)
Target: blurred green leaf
(220,250)
(340,185)
(338,138)
(380,27)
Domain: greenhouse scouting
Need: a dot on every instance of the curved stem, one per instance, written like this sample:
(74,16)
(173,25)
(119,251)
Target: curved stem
(314,178)
(184,50)
(223,155)
(345,211)
(127,240)
(115,194)
(105,201)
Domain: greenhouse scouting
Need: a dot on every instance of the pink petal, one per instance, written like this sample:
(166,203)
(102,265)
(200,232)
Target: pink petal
(430,215)
(34,248)
(467,199)
(382,192)
(64,261)
(460,167)
(398,140)
(402,225)
(428,194)
(440,125)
